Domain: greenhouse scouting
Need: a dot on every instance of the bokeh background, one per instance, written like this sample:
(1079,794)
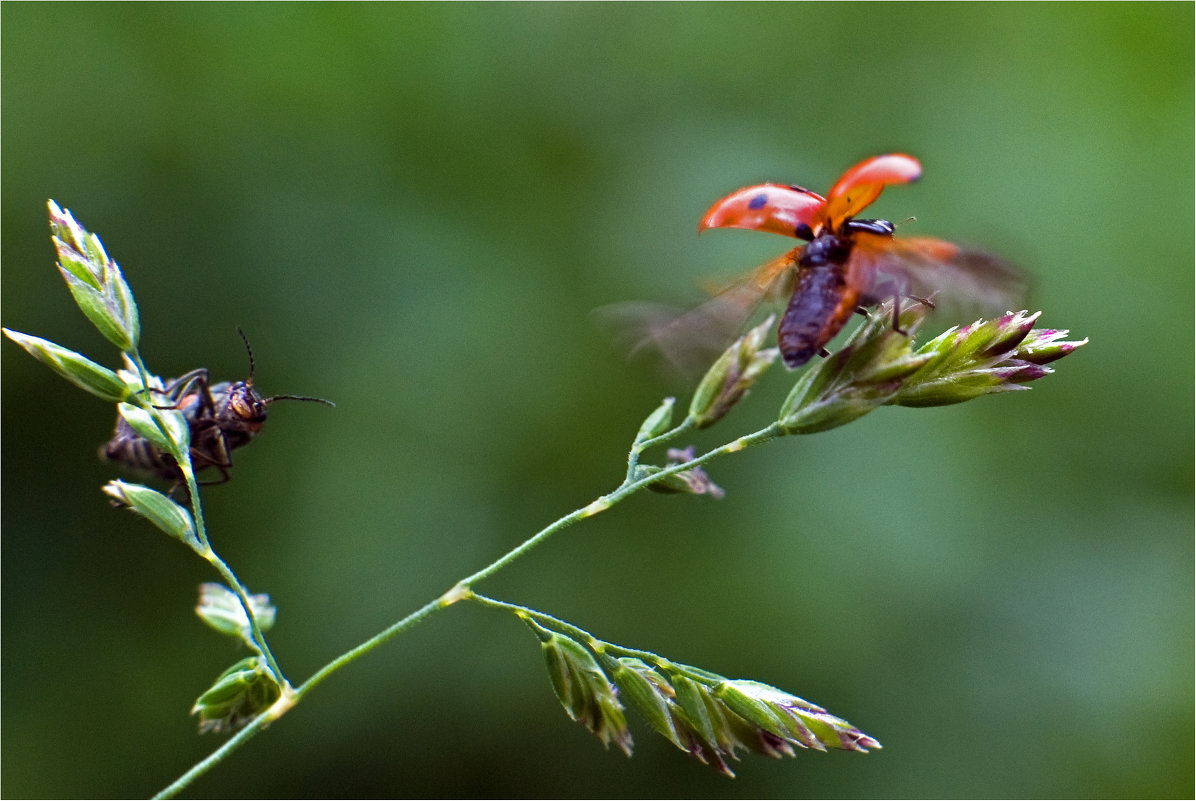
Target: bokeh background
(413,209)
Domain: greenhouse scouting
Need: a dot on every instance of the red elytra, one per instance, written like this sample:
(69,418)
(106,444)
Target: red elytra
(787,209)
(847,262)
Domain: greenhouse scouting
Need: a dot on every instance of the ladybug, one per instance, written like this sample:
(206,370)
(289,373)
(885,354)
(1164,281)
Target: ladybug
(844,264)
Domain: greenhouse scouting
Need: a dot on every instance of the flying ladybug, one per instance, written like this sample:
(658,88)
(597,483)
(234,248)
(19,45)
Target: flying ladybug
(846,263)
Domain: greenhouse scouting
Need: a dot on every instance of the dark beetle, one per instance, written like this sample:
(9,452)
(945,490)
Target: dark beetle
(222,417)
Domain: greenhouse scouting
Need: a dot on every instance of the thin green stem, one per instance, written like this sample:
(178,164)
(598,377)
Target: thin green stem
(182,457)
(628,487)
(583,636)
(216,757)
(258,638)
(418,616)
(291,696)
(633,456)
(462,591)
(556,624)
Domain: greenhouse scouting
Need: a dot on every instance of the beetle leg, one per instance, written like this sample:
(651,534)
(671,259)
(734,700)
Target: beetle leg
(205,396)
(215,451)
(224,477)
(178,388)
(212,448)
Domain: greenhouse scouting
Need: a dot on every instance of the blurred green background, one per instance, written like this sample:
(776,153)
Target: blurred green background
(413,209)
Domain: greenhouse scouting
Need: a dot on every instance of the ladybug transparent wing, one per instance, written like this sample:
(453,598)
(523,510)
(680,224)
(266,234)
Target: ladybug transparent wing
(690,340)
(959,278)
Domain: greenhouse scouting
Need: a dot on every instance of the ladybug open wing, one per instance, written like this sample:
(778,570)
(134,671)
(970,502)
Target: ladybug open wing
(863,183)
(778,209)
(690,340)
(960,279)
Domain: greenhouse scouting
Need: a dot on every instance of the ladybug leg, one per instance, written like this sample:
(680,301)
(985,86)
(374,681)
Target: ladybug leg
(927,302)
(899,291)
(897,315)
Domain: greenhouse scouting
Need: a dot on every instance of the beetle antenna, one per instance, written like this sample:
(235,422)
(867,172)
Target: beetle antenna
(298,398)
(267,401)
(248,350)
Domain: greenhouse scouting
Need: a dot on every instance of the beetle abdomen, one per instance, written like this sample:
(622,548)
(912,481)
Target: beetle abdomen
(822,302)
(129,448)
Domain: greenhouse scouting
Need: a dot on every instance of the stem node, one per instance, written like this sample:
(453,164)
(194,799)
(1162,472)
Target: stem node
(459,592)
(600,505)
